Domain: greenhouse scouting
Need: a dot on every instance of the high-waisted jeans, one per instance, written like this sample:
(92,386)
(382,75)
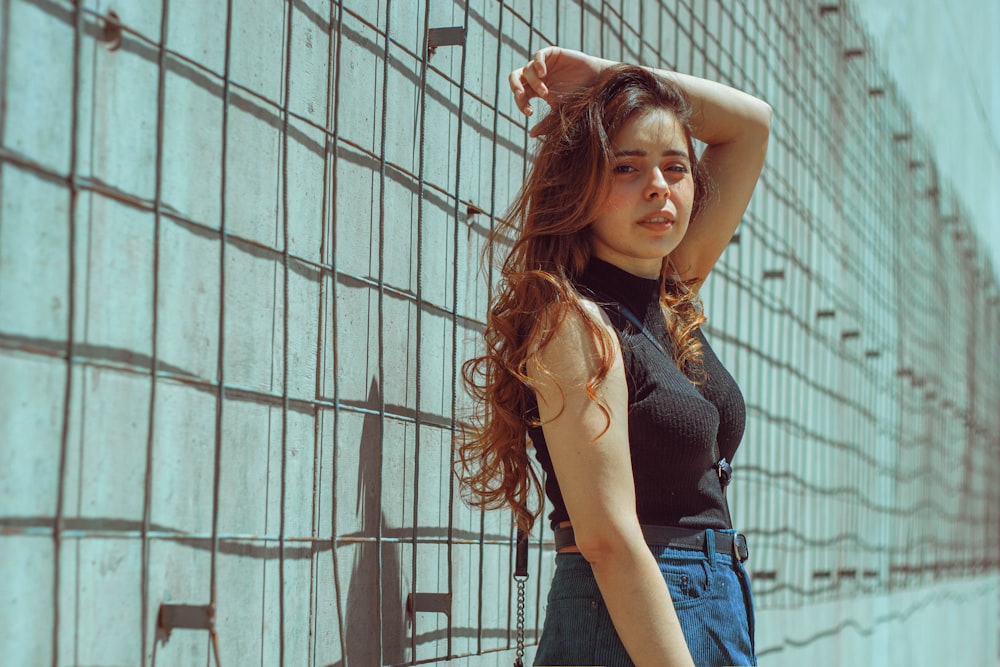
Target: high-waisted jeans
(710,592)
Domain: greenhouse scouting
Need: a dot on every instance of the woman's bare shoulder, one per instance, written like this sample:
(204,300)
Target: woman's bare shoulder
(570,341)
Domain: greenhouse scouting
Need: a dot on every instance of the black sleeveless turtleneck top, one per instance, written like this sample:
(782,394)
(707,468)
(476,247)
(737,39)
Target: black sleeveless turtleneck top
(678,431)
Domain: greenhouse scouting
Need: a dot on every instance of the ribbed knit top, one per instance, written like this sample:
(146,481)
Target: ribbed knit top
(678,431)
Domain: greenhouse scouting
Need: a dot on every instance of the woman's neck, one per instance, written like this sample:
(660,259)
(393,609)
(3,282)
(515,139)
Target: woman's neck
(641,267)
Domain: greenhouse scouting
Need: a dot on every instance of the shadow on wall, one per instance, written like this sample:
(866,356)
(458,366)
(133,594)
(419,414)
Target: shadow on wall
(373,620)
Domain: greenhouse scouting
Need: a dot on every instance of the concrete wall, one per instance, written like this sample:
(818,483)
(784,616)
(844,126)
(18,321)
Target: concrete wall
(239,270)
(945,60)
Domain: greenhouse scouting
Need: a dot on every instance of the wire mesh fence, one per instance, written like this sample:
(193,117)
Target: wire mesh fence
(239,271)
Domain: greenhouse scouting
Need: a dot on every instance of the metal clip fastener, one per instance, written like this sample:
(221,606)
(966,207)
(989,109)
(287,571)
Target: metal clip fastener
(725,471)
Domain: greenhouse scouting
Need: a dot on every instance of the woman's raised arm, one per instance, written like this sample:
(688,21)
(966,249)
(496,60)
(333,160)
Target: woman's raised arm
(733,125)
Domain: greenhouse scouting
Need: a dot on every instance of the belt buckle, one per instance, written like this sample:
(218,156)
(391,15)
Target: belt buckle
(740,549)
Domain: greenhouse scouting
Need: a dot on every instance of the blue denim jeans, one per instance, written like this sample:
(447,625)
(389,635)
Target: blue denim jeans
(710,591)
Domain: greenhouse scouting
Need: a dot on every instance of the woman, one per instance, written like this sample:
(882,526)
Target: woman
(594,352)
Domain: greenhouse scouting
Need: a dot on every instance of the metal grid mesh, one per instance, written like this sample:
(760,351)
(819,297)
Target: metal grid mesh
(239,269)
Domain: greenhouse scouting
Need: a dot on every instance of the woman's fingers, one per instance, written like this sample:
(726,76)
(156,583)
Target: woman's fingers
(528,81)
(534,80)
(538,61)
(525,84)
(517,86)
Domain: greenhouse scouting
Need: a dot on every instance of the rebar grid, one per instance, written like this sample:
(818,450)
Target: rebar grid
(239,272)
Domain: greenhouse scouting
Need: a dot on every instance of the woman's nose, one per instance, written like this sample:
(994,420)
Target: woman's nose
(657,185)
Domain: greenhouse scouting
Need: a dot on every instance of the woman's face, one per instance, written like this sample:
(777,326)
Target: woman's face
(649,202)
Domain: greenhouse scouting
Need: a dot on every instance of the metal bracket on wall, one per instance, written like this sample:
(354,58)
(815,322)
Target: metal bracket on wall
(438,603)
(454,36)
(189,617)
(185,616)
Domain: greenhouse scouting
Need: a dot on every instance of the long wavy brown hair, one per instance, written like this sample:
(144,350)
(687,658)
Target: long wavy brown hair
(548,224)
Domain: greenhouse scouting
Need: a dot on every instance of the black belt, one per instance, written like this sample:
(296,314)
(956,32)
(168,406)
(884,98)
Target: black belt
(672,536)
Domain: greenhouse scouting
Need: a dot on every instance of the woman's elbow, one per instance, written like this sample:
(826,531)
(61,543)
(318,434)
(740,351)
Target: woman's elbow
(765,112)
(758,128)
(762,115)
(607,544)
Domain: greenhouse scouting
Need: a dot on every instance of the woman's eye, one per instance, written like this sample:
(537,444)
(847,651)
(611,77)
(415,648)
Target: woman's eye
(678,168)
(624,169)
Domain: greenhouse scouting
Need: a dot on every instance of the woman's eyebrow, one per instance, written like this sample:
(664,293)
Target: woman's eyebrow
(638,152)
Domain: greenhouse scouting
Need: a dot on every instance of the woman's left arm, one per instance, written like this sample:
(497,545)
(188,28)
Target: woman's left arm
(733,125)
(735,128)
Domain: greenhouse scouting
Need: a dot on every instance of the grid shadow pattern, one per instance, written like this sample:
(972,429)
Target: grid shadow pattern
(239,271)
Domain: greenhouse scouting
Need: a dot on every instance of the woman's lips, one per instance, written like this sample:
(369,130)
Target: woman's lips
(657,222)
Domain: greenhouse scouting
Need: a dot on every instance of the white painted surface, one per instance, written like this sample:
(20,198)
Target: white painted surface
(945,58)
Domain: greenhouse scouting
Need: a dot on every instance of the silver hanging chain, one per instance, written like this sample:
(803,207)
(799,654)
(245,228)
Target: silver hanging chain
(518,660)
(520,576)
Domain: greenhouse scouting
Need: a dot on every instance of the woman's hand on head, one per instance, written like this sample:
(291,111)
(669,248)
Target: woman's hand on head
(551,72)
